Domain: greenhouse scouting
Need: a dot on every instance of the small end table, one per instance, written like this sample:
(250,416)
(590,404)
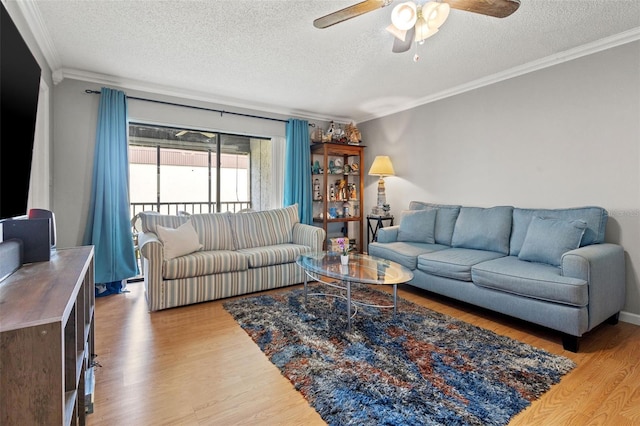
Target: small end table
(376,222)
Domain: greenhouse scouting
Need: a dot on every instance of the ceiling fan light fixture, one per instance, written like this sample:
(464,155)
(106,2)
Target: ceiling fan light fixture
(404,15)
(397,33)
(435,13)
(423,31)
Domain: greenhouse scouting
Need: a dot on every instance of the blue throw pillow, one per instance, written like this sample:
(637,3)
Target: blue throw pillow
(445,219)
(418,226)
(482,228)
(548,239)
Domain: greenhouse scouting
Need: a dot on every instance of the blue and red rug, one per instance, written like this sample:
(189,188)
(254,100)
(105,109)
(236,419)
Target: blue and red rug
(421,368)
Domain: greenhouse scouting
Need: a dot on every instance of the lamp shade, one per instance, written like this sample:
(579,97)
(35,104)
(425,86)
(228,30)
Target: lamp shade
(423,31)
(435,14)
(404,15)
(382,166)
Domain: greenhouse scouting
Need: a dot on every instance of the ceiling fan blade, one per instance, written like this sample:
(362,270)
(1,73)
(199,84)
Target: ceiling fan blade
(495,8)
(401,34)
(400,46)
(350,12)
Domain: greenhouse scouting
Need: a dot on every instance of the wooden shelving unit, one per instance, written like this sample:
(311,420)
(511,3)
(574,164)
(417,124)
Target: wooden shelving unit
(352,197)
(47,340)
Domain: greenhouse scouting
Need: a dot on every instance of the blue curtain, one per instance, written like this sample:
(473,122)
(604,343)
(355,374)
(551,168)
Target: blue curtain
(108,223)
(297,175)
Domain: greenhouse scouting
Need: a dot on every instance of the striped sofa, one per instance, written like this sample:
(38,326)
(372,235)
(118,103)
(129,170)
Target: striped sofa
(239,253)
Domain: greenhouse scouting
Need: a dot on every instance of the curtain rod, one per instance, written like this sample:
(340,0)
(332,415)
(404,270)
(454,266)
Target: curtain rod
(97,92)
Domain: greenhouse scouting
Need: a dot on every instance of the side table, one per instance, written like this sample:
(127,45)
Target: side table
(376,222)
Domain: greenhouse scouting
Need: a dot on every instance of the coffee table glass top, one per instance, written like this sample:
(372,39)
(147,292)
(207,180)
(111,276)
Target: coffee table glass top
(362,268)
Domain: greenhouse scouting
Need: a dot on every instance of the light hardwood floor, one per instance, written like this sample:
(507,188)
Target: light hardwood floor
(194,365)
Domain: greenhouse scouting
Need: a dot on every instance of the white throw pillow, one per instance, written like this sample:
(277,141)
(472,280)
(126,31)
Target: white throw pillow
(178,241)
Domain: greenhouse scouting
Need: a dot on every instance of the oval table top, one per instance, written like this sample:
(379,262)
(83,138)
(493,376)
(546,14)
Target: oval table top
(361,268)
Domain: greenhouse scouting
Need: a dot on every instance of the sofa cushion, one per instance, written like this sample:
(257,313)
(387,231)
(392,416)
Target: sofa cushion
(150,220)
(548,239)
(273,255)
(483,228)
(417,226)
(178,241)
(454,263)
(214,230)
(445,219)
(388,234)
(264,228)
(406,254)
(202,263)
(595,217)
(535,280)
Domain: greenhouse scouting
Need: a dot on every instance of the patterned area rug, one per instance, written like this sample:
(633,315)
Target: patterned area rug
(421,368)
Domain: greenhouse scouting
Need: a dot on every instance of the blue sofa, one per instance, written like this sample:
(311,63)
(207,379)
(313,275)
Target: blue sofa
(547,266)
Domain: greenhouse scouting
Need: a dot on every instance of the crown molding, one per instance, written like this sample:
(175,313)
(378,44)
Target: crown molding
(126,83)
(34,20)
(555,59)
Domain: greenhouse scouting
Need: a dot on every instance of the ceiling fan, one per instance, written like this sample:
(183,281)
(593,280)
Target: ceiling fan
(412,22)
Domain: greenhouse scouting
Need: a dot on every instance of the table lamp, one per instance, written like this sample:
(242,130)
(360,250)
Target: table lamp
(381,167)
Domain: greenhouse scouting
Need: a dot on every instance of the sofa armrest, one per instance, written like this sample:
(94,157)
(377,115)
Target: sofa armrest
(388,234)
(308,235)
(152,252)
(602,266)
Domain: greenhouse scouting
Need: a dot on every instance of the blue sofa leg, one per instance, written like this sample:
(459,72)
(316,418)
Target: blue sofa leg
(570,343)
(613,319)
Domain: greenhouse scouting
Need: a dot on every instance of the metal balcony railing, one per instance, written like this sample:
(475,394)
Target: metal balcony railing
(190,207)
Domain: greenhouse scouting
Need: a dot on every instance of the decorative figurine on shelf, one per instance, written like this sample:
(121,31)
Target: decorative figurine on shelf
(353,194)
(332,193)
(316,135)
(331,130)
(316,168)
(337,166)
(354,167)
(342,190)
(345,209)
(352,133)
(316,190)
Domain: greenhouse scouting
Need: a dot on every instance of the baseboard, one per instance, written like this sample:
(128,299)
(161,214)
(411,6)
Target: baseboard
(630,318)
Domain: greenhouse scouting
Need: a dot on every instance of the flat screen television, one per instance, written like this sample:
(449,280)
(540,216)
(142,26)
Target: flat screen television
(19,89)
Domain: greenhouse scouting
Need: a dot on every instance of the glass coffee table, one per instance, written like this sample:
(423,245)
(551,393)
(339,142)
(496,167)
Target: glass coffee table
(361,269)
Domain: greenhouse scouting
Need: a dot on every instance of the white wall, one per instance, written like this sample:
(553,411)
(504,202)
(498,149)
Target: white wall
(564,136)
(75,118)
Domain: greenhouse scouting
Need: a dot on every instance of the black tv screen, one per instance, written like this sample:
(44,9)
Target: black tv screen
(19,89)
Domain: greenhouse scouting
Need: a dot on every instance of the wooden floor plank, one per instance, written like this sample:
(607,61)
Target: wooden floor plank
(194,365)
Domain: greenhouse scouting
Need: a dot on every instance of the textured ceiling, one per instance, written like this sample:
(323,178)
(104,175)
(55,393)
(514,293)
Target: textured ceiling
(267,54)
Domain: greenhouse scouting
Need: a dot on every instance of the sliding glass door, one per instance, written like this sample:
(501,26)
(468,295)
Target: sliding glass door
(185,171)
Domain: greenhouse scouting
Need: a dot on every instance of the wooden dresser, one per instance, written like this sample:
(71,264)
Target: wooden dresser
(46,340)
